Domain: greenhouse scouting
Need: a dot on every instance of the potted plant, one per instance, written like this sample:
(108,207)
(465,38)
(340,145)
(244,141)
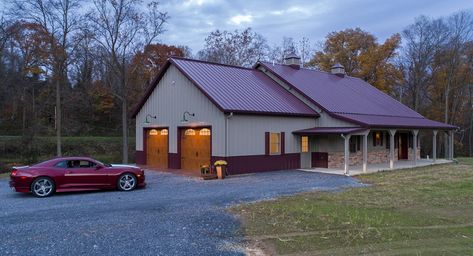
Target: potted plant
(221,167)
(206,172)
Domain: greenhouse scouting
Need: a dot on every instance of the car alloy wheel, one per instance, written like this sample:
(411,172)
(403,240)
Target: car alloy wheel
(127,182)
(42,187)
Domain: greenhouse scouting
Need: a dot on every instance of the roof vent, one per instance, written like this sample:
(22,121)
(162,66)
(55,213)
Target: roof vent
(338,70)
(293,61)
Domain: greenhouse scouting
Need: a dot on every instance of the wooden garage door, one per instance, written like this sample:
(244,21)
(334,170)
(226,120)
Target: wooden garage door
(195,148)
(157,148)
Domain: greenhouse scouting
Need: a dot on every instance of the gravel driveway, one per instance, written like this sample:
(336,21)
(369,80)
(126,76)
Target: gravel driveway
(174,215)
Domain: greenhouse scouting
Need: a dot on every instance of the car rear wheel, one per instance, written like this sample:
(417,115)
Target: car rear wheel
(42,187)
(127,182)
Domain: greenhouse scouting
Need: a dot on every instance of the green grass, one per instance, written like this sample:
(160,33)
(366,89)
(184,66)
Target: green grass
(421,211)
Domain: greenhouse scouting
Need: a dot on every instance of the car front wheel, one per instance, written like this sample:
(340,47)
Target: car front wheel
(42,187)
(127,182)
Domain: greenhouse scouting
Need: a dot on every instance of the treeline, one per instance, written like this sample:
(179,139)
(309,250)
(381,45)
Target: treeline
(77,68)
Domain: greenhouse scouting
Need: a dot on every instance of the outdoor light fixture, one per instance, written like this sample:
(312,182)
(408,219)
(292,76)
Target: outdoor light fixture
(146,119)
(184,119)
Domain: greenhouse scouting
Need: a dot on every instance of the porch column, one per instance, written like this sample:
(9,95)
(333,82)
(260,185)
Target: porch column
(347,152)
(450,141)
(365,151)
(434,145)
(414,145)
(392,132)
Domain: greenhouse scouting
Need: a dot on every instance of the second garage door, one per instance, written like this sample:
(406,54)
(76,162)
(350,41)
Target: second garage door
(195,148)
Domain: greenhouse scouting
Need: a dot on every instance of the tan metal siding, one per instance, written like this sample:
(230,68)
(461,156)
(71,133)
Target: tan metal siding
(174,95)
(246,133)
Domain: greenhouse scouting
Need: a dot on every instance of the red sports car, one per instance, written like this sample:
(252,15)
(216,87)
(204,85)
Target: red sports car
(68,174)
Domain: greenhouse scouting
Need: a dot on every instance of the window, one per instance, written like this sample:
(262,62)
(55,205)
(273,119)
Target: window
(274,143)
(377,139)
(62,164)
(153,132)
(204,132)
(164,132)
(189,132)
(355,144)
(304,144)
(80,164)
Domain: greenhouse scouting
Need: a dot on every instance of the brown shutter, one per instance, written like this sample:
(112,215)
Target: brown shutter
(388,140)
(283,143)
(266,143)
(382,138)
(358,143)
(374,138)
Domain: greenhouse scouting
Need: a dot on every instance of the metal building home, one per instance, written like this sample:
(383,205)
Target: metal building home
(273,117)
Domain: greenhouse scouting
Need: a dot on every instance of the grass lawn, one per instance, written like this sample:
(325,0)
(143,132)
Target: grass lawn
(422,211)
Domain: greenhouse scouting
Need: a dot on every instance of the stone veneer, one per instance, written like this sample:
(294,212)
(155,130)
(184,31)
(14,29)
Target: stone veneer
(375,156)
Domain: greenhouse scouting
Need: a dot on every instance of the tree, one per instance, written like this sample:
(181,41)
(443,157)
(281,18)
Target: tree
(362,57)
(59,19)
(121,28)
(240,48)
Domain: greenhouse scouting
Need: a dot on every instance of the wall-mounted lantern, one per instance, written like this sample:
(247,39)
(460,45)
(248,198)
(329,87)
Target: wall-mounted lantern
(150,116)
(185,115)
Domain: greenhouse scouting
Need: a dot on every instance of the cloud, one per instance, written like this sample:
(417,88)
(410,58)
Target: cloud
(239,19)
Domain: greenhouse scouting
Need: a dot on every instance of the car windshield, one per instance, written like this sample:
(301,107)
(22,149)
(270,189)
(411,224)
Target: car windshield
(104,164)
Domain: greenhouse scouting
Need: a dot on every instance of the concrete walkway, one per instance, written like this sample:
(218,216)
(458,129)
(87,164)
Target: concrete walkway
(357,170)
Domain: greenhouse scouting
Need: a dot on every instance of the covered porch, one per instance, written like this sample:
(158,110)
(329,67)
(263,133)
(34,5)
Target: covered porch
(357,170)
(346,150)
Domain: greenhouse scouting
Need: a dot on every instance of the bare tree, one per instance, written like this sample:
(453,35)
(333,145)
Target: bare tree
(241,48)
(58,18)
(423,40)
(121,29)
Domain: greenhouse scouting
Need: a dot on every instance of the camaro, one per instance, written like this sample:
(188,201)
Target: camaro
(69,174)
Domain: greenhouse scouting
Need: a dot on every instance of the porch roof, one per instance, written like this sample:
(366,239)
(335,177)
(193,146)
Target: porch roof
(329,130)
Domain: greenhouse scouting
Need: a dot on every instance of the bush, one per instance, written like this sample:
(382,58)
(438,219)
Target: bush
(31,150)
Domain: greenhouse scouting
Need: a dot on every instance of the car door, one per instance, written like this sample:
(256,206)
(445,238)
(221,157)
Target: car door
(82,173)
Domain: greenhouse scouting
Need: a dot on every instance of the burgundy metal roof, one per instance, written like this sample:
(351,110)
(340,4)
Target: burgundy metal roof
(329,130)
(351,98)
(238,89)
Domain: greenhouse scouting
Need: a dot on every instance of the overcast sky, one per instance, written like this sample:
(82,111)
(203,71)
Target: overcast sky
(192,20)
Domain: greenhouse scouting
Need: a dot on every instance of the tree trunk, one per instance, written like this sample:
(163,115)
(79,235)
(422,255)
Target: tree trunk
(124,131)
(58,118)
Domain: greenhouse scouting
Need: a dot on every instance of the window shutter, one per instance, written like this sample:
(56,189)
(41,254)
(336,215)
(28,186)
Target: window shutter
(266,143)
(358,143)
(388,141)
(396,140)
(374,139)
(283,143)
(382,138)
(410,140)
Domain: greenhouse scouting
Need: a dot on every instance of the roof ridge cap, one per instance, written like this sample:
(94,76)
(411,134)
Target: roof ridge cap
(208,62)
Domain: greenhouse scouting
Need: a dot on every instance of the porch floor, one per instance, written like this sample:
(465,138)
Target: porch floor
(357,170)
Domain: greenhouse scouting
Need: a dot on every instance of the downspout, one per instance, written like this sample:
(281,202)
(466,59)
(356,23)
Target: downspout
(226,133)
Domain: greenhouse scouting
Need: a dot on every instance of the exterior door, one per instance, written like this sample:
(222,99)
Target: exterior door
(157,148)
(320,159)
(195,148)
(83,174)
(403,146)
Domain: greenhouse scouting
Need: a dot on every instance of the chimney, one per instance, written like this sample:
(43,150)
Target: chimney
(293,61)
(338,70)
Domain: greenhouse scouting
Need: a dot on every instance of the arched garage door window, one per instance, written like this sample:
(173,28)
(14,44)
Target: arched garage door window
(204,132)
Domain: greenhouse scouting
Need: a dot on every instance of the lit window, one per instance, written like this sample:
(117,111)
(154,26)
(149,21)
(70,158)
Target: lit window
(204,132)
(164,132)
(189,132)
(378,139)
(153,132)
(304,144)
(274,143)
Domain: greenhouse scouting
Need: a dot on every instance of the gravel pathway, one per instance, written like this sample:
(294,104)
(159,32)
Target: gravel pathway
(173,215)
